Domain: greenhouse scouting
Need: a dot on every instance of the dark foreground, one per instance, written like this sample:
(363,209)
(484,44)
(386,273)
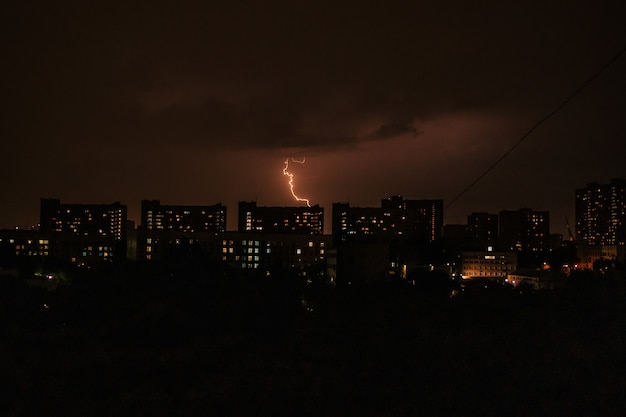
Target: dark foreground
(140,344)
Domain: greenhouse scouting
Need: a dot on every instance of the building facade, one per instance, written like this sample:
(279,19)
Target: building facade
(397,218)
(83,233)
(155,216)
(491,265)
(601,213)
(593,256)
(482,229)
(94,220)
(239,250)
(280,220)
(524,230)
(20,243)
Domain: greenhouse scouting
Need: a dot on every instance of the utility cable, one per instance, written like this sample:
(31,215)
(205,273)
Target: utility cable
(539,123)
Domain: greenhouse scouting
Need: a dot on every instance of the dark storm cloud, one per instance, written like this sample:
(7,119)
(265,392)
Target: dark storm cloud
(268,122)
(91,71)
(394,129)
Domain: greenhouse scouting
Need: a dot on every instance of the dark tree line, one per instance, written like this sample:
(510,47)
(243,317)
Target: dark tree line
(197,339)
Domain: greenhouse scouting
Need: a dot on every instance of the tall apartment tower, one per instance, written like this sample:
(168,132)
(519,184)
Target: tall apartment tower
(482,229)
(601,213)
(428,214)
(524,230)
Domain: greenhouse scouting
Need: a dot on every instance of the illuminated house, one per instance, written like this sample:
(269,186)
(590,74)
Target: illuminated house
(155,216)
(524,230)
(538,280)
(290,220)
(601,213)
(491,265)
(397,218)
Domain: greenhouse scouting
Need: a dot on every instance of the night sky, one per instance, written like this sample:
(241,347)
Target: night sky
(201,102)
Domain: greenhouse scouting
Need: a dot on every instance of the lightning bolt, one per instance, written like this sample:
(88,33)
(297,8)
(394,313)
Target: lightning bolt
(290,175)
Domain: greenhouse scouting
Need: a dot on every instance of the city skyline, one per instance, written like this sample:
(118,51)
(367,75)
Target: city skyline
(203,103)
(394,238)
(234,221)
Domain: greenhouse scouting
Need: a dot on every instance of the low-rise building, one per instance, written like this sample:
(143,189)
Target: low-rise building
(247,250)
(592,254)
(492,265)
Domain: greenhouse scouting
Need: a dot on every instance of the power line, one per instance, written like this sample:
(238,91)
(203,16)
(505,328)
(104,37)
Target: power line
(539,123)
